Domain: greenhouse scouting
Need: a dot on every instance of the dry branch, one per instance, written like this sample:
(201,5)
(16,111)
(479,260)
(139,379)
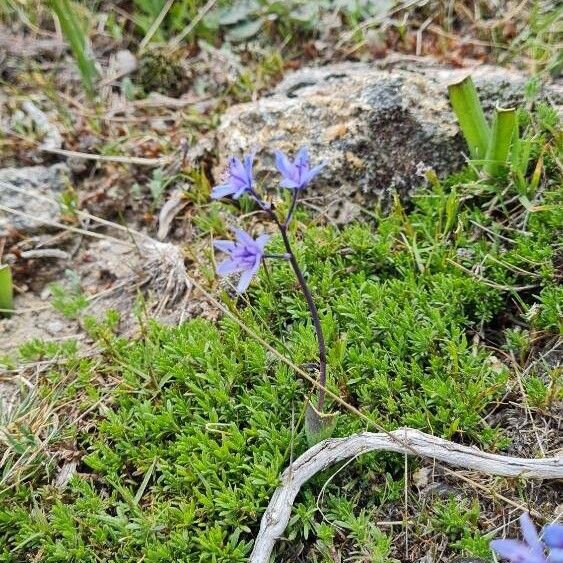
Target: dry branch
(407,441)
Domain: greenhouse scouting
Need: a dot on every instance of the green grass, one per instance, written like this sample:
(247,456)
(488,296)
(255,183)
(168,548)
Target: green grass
(187,429)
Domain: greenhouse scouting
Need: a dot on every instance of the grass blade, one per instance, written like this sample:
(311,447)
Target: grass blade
(6,290)
(467,108)
(76,38)
(502,132)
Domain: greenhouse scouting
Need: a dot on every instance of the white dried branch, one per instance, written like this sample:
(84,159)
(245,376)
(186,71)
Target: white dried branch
(45,253)
(406,441)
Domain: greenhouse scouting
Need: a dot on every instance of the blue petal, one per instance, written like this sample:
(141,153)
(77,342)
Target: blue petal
(229,267)
(530,534)
(513,550)
(246,278)
(261,241)
(224,245)
(238,172)
(222,191)
(302,158)
(243,238)
(248,160)
(553,535)
(288,183)
(555,556)
(283,165)
(312,173)
(240,191)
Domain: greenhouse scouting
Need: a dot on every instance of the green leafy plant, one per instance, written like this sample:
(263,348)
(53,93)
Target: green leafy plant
(75,35)
(69,300)
(488,145)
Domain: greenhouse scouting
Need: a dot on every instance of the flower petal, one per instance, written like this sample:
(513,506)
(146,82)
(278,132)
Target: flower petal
(242,190)
(222,191)
(513,550)
(530,534)
(283,165)
(289,183)
(246,278)
(302,158)
(315,170)
(224,245)
(553,535)
(261,241)
(248,160)
(555,556)
(243,238)
(229,267)
(237,170)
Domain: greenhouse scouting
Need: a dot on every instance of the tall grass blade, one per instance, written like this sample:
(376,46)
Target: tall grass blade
(6,290)
(467,108)
(74,34)
(502,131)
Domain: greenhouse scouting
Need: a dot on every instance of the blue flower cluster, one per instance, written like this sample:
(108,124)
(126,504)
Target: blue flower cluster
(246,254)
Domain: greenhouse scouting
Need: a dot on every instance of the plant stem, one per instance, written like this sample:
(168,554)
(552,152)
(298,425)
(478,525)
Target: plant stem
(282,227)
(289,216)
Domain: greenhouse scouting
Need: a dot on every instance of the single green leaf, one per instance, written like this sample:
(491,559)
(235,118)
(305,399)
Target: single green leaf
(504,121)
(76,37)
(6,290)
(467,108)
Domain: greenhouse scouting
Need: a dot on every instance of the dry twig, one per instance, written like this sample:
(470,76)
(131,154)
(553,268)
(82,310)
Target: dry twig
(404,440)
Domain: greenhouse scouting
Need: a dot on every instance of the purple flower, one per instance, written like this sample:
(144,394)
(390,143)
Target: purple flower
(528,551)
(245,256)
(296,174)
(238,178)
(553,538)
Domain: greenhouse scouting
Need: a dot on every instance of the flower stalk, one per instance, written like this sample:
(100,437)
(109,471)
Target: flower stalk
(283,229)
(246,254)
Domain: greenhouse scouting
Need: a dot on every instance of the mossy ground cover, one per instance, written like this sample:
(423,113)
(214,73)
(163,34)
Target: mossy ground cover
(434,316)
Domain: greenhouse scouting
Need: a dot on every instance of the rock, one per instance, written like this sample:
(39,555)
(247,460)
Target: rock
(375,125)
(35,181)
(52,138)
(125,62)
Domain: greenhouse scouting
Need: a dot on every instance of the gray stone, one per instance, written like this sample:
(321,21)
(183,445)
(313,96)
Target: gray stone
(24,190)
(377,126)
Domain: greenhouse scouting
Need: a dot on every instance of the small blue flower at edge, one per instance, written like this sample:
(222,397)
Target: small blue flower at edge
(531,550)
(296,174)
(245,255)
(553,538)
(239,178)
